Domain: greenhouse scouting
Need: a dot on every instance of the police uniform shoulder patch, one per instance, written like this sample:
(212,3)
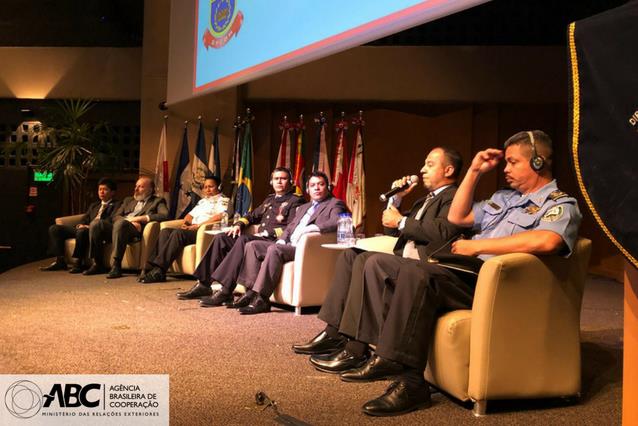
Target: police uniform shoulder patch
(553,214)
(557,195)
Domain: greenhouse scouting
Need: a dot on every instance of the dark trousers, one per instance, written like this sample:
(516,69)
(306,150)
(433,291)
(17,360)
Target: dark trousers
(263,264)
(223,260)
(58,234)
(170,243)
(402,300)
(120,233)
(339,309)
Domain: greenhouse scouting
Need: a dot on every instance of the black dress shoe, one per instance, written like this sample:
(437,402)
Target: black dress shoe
(242,301)
(78,268)
(55,266)
(338,361)
(155,275)
(217,299)
(401,397)
(259,305)
(198,291)
(376,368)
(115,272)
(94,270)
(321,344)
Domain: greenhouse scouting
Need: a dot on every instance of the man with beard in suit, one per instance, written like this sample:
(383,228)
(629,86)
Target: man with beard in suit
(424,230)
(99,210)
(264,260)
(128,223)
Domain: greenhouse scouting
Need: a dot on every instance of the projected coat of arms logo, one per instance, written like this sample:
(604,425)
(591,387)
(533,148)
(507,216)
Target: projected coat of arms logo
(224,23)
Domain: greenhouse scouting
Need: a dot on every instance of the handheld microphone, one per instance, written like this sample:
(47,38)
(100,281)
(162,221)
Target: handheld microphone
(384,197)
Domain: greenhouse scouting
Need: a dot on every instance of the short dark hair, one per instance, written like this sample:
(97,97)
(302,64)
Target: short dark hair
(212,177)
(453,158)
(282,169)
(110,183)
(542,142)
(321,175)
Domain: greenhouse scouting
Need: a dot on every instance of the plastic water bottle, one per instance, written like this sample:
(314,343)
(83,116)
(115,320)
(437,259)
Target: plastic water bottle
(341,229)
(349,231)
(345,234)
(224,221)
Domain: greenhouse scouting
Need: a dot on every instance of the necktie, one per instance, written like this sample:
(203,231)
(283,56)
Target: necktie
(409,250)
(299,230)
(99,212)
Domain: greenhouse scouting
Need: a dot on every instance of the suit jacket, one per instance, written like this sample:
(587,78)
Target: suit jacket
(107,214)
(433,230)
(274,214)
(325,216)
(155,208)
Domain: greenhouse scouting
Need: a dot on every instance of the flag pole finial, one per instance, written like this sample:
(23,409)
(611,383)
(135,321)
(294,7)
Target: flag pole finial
(217,120)
(199,117)
(185,123)
(165,117)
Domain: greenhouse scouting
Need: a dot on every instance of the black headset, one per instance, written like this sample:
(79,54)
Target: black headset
(282,169)
(537,162)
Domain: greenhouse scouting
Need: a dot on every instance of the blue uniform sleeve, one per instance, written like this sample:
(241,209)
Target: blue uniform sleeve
(479,213)
(563,219)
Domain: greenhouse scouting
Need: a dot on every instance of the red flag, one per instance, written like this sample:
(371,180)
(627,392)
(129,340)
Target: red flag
(285,148)
(339,180)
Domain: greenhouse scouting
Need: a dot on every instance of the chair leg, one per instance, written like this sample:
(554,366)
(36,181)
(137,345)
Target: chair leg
(297,310)
(480,407)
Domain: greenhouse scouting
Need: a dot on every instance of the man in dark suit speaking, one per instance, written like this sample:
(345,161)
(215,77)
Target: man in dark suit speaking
(99,210)
(422,231)
(128,223)
(264,260)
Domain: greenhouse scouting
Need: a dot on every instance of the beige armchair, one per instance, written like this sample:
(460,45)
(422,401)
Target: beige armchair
(192,253)
(306,280)
(521,339)
(136,254)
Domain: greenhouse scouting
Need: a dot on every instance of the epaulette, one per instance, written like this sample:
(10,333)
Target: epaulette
(557,195)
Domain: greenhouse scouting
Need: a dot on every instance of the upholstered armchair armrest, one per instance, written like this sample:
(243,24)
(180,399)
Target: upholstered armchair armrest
(314,267)
(381,244)
(525,326)
(69,220)
(171,223)
(203,241)
(149,239)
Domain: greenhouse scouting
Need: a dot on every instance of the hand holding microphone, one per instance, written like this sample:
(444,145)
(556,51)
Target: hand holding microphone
(404,186)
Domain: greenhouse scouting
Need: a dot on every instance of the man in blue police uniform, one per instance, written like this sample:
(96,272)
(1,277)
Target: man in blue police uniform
(172,241)
(421,232)
(224,257)
(532,217)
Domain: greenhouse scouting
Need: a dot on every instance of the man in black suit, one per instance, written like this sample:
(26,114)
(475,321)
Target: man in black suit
(224,257)
(424,230)
(264,260)
(127,226)
(99,210)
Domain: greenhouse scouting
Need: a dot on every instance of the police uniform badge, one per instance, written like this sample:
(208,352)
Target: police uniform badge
(553,214)
(532,209)
(493,205)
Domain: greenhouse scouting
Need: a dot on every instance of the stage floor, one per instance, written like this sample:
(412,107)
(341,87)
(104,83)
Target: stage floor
(58,323)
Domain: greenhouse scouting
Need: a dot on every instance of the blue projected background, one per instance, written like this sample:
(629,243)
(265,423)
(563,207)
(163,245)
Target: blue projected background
(239,40)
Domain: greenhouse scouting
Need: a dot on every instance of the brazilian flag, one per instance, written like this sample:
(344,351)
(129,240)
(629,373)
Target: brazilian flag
(244,200)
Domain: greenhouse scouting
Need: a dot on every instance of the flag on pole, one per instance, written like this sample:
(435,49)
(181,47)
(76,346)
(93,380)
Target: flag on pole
(162,185)
(229,183)
(356,191)
(180,197)
(300,162)
(244,201)
(320,155)
(199,169)
(339,181)
(285,147)
(213,158)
